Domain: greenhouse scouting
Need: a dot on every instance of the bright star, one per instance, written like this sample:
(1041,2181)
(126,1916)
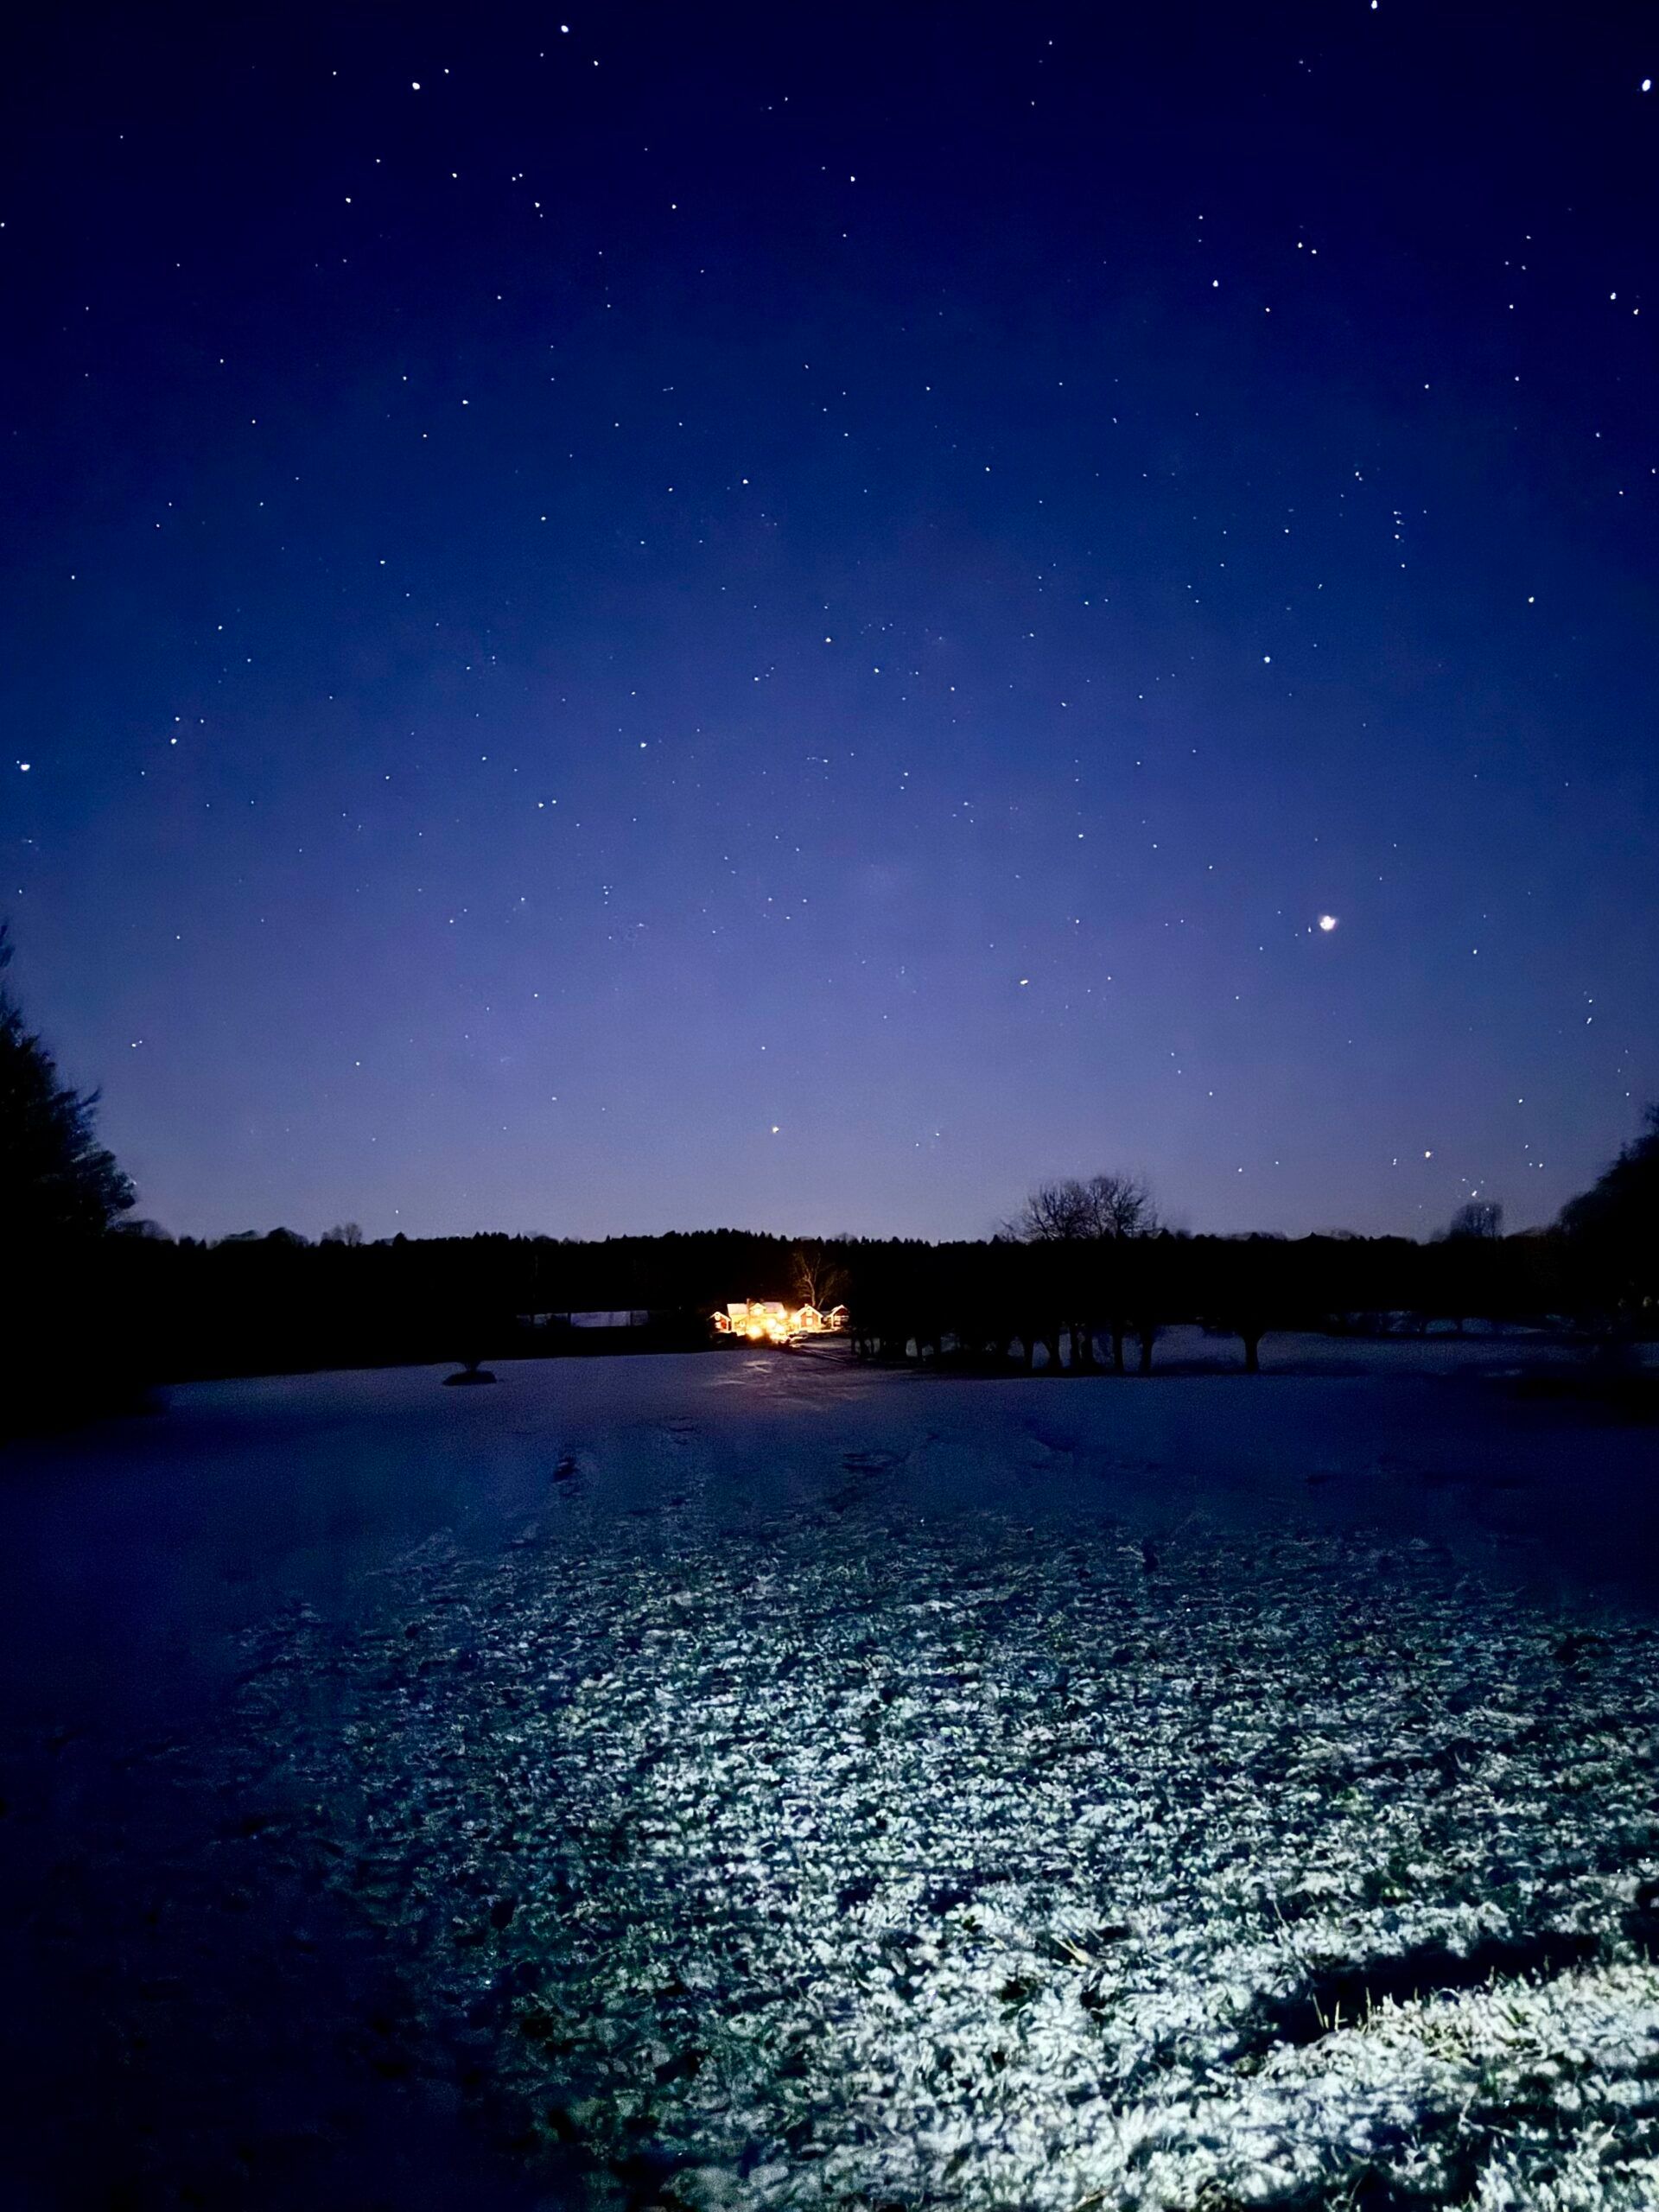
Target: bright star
(1327,922)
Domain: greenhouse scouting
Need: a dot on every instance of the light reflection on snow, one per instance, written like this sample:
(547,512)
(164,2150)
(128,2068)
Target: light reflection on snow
(840,1863)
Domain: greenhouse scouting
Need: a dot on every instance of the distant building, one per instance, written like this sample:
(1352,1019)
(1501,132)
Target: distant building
(768,1320)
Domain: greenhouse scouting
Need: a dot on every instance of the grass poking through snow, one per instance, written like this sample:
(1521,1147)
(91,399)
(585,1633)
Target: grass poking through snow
(841,1865)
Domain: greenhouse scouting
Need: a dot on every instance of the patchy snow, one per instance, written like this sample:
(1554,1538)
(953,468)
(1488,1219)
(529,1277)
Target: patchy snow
(847,1860)
(772,1784)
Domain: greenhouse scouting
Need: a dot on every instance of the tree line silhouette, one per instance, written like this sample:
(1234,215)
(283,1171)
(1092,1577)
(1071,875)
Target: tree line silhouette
(1084,1279)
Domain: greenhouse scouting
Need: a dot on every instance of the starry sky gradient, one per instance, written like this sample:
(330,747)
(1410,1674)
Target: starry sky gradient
(788,617)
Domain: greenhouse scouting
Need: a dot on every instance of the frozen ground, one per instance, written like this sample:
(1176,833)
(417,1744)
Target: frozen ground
(744,1781)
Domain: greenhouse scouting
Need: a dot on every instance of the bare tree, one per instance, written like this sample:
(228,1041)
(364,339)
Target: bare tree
(1073,1211)
(1085,1217)
(1123,1206)
(1481,1218)
(817,1274)
(1054,1213)
(343,1232)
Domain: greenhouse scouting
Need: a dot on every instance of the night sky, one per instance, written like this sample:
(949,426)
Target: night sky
(791,617)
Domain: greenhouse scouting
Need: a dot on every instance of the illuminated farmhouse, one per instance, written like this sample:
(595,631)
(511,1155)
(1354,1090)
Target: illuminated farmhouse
(768,1320)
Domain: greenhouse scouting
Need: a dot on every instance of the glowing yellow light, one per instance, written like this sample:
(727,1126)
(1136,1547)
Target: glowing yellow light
(768,1320)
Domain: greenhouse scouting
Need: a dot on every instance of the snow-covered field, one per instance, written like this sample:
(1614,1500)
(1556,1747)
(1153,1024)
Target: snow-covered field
(750,1782)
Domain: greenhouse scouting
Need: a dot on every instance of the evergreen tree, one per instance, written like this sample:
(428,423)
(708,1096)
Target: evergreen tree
(57,1183)
(1624,1197)
(1613,1228)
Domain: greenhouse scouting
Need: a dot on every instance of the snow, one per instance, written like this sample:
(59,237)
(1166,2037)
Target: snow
(768,1782)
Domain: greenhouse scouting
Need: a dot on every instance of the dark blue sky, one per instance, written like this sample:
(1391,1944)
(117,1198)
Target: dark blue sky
(789,617)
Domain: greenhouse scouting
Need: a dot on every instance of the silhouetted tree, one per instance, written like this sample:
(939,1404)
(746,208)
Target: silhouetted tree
(1122,1206)
(1477,1217)
(57,1182)
(1246,1284)
(1073,1211)
(1464,1278)
(1624,1200)
(60,1194)
(817,1274)
(1052,1213)
(1158,1287)
(343,1232)
(1078,1229)
(1611,1231)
